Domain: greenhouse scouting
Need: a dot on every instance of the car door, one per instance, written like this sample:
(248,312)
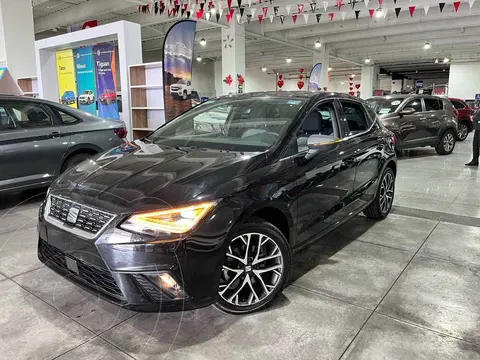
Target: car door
(412,126)
(435,115)
(325,183)
(32,148)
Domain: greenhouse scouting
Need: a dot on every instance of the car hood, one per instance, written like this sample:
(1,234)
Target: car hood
(140,176)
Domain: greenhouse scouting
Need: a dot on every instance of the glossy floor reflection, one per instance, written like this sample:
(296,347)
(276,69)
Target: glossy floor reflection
(404,288)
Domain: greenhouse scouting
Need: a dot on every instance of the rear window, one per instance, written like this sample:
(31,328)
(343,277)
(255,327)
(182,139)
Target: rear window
(433,104)
(385,105)
(457,104)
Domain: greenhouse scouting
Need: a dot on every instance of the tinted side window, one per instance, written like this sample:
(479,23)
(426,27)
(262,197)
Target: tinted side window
(67,119)
(355,116)
(457,104)
(433,104)
(29,115)
(6,121)
(415,104)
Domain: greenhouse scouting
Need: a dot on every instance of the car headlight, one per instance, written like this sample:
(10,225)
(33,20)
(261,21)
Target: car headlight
(172,221)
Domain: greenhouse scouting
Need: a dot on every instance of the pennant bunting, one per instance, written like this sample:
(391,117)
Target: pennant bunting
(357,13)
(385,11)
(199,14)
(192,8)
(220,12)
(441,6)
(260,18)
(288,8)
(217,16)
(456,5)
(207,15)
(353,2)
(339,4)
(189,14)
(249,18)
(371,11)
(305,17)
(344,14)
(366,3)
(249,3)
(313,6)
(242,11)
(239,18)
(275,10)
(294,18)
(265,10)
(202,5)
(300,8)
(397,11)
(395,2)
(271,18)
(252,11)
(411,10)
(426,8)
(330,16)
(282,18)
(229,4)
(239,2)
(470,3)
(318,18)
(325,5)
(380,2)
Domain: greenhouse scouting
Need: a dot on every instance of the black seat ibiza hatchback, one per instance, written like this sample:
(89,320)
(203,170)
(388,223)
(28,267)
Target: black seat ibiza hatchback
(209,208)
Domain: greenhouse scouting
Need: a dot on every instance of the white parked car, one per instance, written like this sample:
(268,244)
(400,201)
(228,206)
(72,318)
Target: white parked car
(182,89)
(87,97)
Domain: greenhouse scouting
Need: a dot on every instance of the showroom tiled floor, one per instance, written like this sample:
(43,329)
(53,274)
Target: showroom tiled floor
(404,288)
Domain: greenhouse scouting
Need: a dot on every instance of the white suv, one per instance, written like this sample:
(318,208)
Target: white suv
(182,89)
(87,97)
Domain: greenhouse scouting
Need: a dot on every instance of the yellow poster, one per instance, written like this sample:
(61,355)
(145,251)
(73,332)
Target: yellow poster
(67,89)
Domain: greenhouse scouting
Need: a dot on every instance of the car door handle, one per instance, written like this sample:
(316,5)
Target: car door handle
(55,134)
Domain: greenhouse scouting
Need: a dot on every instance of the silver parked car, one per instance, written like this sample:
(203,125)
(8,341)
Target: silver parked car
(40,139)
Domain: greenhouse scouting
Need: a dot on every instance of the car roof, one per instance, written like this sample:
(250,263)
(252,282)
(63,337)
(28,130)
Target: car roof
(404,96)
(291,94)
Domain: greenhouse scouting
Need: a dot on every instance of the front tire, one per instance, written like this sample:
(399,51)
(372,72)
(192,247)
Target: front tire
(462,131)
(382,205)
(256,267)
(447,143)
(184,95)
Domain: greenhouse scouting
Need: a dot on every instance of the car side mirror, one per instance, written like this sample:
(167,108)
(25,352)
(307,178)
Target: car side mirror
(407,111)
(321,142)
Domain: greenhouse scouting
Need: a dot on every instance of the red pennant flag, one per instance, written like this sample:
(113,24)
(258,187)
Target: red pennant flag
(229,4)
(330,16)
(300,8)
(199,14)
(265,10)
(380,2)
(175,2)
(260,18)
(371,11)
(294,18)
(456,5)
(229,16)
(411,9)
(339,4)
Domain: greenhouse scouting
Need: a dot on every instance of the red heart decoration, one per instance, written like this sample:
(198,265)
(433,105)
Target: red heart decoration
(280,82)
(350,78)
(280,76)
(300,84)
(351,88)
(325,88)
(300,77)
(351,93)
(301,70)
(357,86)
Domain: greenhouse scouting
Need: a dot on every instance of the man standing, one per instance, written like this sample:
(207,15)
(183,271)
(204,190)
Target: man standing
(476,141)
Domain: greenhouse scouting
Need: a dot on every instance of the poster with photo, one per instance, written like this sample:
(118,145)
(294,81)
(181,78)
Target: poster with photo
(313,82)
(177,68)
(104,57)
(67,89)
(85,74)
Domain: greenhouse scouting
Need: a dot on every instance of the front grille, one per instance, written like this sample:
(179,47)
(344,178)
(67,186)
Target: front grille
(95,277)
(89,219)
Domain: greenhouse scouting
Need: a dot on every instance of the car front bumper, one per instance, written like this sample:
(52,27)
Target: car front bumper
(122,272)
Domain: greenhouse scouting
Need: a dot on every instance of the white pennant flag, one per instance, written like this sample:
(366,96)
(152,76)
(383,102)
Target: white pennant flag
(305,16)
(192,9)
(385,11)
(287,8)
(238,18)
(426,8)
(325,5)
(252,11)
(207,15)
(366,3)
(220,12)
(343,15)
(470,3)
(249,3)
(271,18)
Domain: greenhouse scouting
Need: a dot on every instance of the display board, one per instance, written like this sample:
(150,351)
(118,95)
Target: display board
(67,93)
(104,57)
(85,75)
(177,68)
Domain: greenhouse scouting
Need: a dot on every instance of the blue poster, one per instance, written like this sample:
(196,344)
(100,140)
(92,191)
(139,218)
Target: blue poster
(85,74)
(104,55)
(313,83)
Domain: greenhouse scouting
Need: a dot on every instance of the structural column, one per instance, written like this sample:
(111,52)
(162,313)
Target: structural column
(17,38)
(233,56)
(322,58)
(369,81)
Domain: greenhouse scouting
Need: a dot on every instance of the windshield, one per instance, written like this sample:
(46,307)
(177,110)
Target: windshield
(385,105)
(231,124)
(182,82)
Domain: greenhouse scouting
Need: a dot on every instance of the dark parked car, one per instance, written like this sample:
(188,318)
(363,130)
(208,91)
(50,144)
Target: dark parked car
(39,139)
(418,120)
(193,216)
(465,117)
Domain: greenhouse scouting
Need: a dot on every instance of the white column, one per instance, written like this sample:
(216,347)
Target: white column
(233,56)
(369,81)
(322,58)
(217,68)
(17,38)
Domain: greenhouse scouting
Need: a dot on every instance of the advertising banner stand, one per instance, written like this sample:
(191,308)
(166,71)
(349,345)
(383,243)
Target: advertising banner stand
(85,75)
(313,82)
(104,55)
(67,89)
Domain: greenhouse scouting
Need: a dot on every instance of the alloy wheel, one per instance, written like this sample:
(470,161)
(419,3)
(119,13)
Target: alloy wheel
(252,270)
(462,131)
(387,189)
(448,142)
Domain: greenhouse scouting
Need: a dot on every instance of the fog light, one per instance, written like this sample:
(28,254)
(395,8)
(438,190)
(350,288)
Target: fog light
(168,285)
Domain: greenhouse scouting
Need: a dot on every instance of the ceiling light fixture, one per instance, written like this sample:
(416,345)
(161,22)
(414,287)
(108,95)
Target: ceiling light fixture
(264,68)
(436,61)
(353,75)
(289,60)
(329,68)
(203,42)
(367,60)
(199,58)
(318,44)
(379,13)
(427,45)
(446,60)
(213,10)
(342,82)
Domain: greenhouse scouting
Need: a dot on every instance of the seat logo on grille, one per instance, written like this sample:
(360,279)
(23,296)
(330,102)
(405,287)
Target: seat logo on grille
(73,215)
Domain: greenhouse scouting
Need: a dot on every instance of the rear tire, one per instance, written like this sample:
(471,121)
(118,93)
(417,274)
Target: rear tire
(462,131)
(246,284)
(447,143)
(382,205)
(75,160)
